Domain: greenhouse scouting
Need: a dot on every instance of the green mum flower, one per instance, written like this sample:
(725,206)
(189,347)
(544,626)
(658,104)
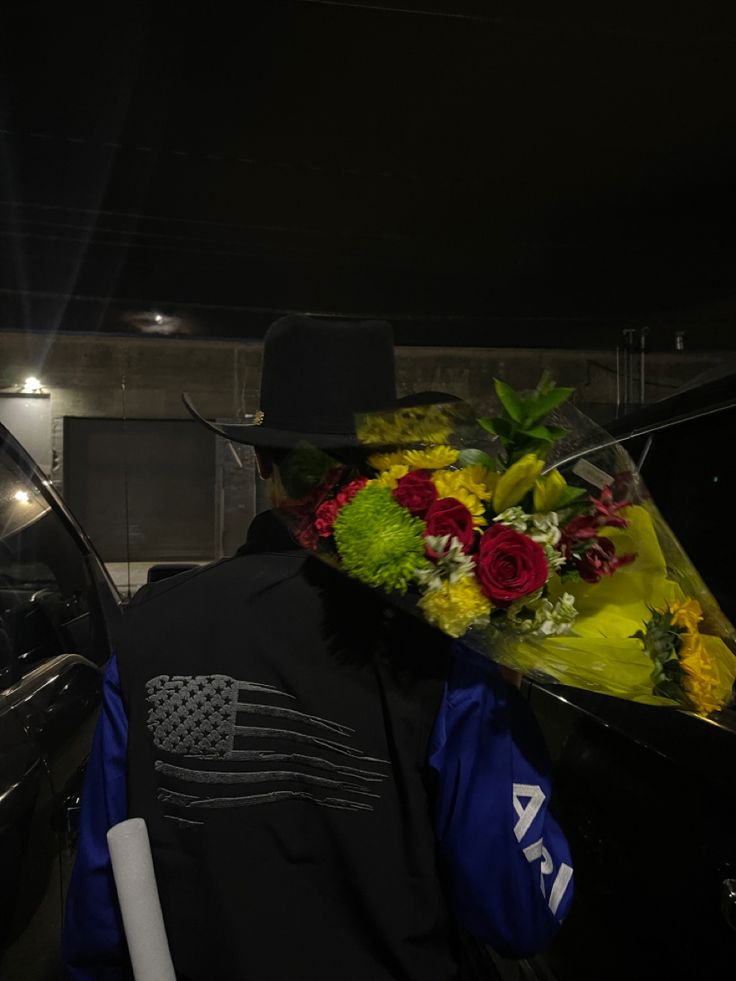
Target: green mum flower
(378,540)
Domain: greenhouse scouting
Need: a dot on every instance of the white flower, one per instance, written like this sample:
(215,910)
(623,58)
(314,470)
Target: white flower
(553,620)
(545,529)
(452,565)
(541,617)
(555,560)
(515,518)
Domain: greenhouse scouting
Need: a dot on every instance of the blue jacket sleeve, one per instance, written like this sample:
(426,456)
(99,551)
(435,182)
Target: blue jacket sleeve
(507,861)
(93,942)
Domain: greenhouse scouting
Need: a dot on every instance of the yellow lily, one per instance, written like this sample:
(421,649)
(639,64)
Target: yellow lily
(516,483)
(548,491)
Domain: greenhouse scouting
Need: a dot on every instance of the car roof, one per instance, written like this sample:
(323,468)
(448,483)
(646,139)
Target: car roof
(689,403)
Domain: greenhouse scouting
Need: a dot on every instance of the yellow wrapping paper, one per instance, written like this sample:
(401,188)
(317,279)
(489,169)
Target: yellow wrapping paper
(602,654)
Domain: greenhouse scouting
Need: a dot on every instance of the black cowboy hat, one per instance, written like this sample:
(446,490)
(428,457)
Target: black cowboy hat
(316,375)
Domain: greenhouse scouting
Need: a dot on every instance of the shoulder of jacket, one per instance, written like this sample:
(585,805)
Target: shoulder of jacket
(256,571)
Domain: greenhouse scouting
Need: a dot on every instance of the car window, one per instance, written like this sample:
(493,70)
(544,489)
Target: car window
(47,600)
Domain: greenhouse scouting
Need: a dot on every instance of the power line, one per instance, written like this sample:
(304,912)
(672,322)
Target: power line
(558,26)
(135,243)
(134,216)
(338,314)
(289,165)
(417,11)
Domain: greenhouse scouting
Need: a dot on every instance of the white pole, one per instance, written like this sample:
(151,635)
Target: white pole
(135,881)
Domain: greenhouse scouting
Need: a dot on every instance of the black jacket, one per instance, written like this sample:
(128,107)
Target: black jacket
(279,716)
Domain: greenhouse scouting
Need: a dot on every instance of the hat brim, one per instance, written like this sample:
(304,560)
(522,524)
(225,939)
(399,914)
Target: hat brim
(261,435)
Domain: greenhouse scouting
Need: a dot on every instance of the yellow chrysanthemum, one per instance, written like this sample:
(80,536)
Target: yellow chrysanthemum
(479,480)
(701,677)
(379,431)
(701,680)
(383,461)
(390,478)
(427,423)
(449,482)
(475,480)
(474,505)
(515,484)
(452,483)
(406,426)
(456,607)
(437,436)
(687,614)
(431,457)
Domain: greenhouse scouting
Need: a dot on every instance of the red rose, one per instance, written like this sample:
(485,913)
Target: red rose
(450,517)
(416,492)
(324,518)
(509,565)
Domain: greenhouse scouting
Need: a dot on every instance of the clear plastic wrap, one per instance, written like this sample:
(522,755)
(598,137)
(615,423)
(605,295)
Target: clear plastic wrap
(529,535)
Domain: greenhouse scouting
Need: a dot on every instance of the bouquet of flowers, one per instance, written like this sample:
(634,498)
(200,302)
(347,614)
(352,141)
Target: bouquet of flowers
(533,541)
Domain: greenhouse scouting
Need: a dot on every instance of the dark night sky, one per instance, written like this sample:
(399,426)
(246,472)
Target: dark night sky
(478,172)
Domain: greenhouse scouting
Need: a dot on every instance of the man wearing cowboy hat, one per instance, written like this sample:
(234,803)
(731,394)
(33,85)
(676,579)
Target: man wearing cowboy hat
(329,789)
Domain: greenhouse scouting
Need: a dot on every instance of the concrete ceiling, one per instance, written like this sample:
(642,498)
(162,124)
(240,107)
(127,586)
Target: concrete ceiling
(480,173)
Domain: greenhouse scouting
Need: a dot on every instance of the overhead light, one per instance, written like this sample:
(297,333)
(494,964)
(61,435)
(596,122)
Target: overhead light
(156,322)
(32,386)
(22,497)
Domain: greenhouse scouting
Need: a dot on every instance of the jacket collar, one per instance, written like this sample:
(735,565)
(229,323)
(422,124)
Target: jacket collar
(268,533)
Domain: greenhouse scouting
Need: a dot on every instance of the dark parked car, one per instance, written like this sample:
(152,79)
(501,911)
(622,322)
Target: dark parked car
(648,795)
(58,614)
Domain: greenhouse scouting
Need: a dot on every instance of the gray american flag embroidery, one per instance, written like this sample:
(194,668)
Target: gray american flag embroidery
(206,719)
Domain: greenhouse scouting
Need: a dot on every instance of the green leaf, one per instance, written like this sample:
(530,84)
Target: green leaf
(668,689)
(546,383)
(470,456)
(509,400)
(499,427)
(569,495)
(541,405)
(671,668)
(539,432)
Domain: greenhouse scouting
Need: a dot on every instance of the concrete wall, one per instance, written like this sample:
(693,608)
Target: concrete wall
(85,374)
(143,378)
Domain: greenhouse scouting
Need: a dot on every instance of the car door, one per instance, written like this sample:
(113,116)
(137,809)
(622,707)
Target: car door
(55,630)
(647,795)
